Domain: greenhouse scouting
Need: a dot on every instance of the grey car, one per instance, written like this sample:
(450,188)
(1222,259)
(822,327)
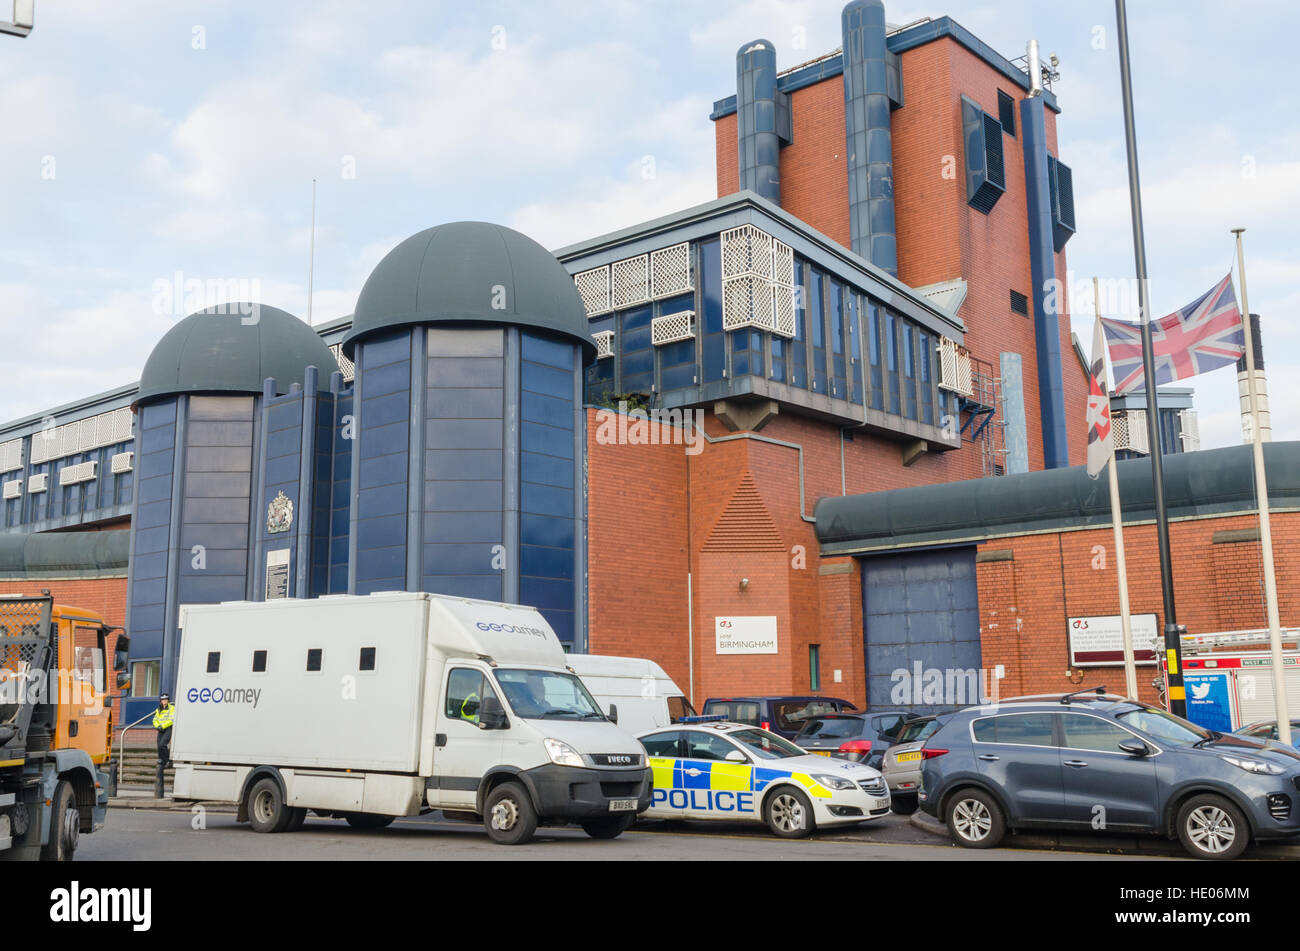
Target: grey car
(902,761)
(1099,762)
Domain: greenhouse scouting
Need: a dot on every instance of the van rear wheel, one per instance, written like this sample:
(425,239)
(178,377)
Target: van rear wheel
(368,820)
(266,809)
(508,815)
(610,828)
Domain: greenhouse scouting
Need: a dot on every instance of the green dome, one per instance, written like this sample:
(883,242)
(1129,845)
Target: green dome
(232,348)
(470,272)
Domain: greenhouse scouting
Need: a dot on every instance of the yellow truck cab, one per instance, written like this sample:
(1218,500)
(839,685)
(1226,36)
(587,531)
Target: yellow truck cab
(56,725)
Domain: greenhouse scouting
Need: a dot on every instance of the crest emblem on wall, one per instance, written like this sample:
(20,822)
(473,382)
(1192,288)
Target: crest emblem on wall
(279,514)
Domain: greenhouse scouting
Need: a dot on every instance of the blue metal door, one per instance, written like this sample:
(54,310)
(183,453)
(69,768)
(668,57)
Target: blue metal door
(921,636)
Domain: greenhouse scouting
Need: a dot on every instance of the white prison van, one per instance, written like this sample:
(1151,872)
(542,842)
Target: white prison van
(394,704)
(643,694)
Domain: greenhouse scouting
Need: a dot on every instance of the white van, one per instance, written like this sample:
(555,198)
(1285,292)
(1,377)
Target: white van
(395,704)
(645,696)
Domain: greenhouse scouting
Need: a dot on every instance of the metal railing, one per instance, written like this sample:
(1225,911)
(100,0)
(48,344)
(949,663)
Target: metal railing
(121,745)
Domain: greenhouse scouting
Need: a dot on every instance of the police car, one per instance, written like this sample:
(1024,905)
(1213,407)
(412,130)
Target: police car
(737,772)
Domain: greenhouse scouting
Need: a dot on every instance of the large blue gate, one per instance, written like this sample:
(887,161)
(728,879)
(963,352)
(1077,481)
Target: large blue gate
(920,615)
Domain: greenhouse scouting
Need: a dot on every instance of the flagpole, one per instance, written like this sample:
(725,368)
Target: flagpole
(1172,631)
(1265,524)
(1117,525)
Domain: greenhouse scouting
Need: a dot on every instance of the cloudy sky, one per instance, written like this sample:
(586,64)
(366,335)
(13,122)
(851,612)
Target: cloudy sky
(180,141)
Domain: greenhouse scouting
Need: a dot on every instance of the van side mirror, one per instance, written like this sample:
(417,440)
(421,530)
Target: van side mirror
(119,658)
(123,680)
(613,713)
(491,715)
(1134,747)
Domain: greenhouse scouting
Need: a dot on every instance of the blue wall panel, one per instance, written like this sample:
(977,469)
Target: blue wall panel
(383,445)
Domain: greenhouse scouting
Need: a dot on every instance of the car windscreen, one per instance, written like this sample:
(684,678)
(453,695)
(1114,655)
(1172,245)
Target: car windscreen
(916,730)
(1164,726)
(830,728)
(547,695)
(792,715)
(737,711)
(766,745)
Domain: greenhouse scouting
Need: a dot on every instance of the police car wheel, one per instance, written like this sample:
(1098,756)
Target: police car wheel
(65,825)
(508,815)
(789,813)
(610,828)
(266,809)
(1210,827)
(975,819)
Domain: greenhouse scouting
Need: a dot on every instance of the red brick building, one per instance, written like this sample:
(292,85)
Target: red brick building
(743,524)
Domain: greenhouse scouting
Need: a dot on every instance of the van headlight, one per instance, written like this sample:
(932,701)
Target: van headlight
(834,782)
(562,753)
(1253,765)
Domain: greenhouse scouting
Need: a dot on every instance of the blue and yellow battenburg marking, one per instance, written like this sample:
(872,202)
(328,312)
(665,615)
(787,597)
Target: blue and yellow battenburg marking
(707,785)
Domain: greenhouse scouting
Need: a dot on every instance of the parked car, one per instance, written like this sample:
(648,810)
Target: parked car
(1104,763)
(860,737)
(1267,730)
(740,773)
(784,716)
(901,765)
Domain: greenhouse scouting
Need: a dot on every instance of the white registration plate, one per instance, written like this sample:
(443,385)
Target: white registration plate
(622,805)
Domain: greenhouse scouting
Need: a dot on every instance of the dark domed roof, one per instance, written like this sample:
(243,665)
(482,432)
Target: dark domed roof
(232,348)
(470,271)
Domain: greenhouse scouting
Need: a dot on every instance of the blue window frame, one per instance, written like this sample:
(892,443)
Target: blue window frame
(817,331)
(839,387)
(875,356)
(909,369)
(855,345)
(713,354)
(797,366)
(926,356)
(891,362)
(635,353)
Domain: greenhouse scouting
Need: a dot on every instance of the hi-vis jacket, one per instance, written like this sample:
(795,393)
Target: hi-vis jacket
(163,718)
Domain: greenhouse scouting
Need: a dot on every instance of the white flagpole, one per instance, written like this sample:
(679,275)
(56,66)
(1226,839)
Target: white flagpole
(1265,526)
(1117,526)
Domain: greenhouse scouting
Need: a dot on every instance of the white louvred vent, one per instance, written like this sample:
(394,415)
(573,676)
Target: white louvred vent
(13,488)
(783,316)
(593,288)
(82,435)
(782,263)
(38,483)
(1129,429)
(121,462)
(954,367)
(604,343)
(670,271)
(630,281)
(671,328)
(81,472)
(1191,434)
(11,455)
(346,366)
(747,302)
(746,250)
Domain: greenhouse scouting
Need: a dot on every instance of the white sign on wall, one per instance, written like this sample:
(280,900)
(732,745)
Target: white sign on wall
(1099,641)
(745,635)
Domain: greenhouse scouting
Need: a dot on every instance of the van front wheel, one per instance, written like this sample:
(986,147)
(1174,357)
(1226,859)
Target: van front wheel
(508,815)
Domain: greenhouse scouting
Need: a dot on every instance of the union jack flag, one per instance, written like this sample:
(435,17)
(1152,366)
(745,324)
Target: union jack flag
(1203,336)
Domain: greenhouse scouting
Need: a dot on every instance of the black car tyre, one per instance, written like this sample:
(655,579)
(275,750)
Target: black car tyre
(368,820)
(1211,827)
(509,816)
(903,804)
(788,813)
(610,828)
(65,825)
(266,809)
(296,818)
(975,819)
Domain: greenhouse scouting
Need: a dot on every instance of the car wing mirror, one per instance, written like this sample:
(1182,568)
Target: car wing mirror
(1135,747)
(736,756)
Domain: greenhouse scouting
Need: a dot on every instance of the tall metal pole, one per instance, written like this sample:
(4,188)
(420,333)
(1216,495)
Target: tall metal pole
(1173,644)
(311,259)
(1117,527)
(1265,525)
